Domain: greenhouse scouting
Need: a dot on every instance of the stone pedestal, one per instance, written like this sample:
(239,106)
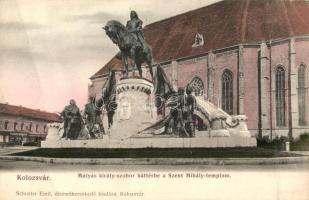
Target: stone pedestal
(135,109)
(241,130)
(218,129)
(158,142)
(54,134)
(55,131)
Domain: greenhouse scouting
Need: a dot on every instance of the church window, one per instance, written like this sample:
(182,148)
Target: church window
(197,86)
(302,95)
(227,91)
(280,96)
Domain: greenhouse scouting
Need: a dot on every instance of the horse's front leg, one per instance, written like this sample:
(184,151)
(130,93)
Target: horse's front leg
(126,65)
(138,66)
(150,69)
(133,54)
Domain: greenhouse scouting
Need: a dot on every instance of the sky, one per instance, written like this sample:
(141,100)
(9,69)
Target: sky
(50,48)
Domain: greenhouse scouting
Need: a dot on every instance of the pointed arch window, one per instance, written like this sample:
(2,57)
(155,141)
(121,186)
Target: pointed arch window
(302,96)
(198,86)
(280,96)
(227,91)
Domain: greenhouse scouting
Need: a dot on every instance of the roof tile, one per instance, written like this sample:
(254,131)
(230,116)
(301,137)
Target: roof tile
(27,112)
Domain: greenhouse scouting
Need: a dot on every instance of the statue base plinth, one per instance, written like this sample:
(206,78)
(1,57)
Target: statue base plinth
(135,110)
(154,142)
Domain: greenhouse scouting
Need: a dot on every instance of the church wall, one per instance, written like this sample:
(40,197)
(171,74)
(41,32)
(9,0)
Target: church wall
(302,57)
(302,52)
(229,59)
(189,69)
(251,100)
(96,88)
(168,71)
(146,73)
(264,86)
(226,60)
(280,56)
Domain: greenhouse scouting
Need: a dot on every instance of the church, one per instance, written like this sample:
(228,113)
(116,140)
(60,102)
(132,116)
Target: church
(247,57)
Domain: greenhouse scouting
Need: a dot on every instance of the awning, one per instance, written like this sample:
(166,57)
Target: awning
(37,135)
(18,134)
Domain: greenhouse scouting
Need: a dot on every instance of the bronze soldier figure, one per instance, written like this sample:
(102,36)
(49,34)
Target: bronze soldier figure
(180,120)
(92,115)
(72,121)
(190,105)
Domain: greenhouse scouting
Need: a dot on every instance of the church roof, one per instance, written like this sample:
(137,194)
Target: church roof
(222,24)
(27,112)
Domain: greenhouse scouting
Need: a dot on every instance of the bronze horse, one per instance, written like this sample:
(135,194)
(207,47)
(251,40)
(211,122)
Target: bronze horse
(129,46)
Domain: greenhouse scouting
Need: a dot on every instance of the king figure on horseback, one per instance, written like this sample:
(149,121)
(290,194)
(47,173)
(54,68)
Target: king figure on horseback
(135,26)
(131,42)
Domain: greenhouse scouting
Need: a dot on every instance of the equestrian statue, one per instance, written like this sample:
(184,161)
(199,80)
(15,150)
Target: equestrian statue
(131,42)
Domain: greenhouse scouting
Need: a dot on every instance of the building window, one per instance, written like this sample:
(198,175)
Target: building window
(197,86)
(280,96)
(30,127)
(37,128)
(22,126)
(45,129)
(227,91)
(302,96)
(6,125)
(15,126)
